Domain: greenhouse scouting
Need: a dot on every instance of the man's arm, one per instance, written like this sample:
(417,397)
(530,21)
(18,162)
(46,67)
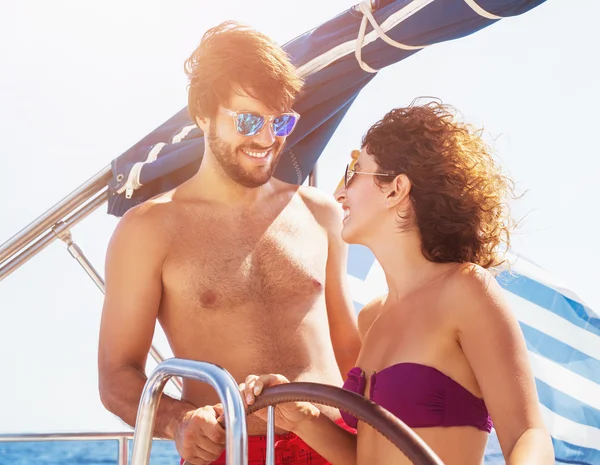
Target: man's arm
(340,309)
(133,293)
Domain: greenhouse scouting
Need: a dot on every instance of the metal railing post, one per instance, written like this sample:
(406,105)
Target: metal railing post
(63,232)
(270,455)
(123,451)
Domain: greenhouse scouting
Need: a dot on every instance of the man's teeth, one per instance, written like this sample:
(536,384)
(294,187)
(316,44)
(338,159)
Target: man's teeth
(256,154)
(346,213)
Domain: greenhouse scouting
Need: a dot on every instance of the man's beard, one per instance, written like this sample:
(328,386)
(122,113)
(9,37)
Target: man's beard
(227,157)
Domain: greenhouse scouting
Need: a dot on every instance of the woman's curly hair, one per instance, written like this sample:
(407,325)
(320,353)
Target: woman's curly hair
(458,192)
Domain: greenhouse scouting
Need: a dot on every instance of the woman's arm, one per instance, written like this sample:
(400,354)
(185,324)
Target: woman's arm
(493,344)
(331,441)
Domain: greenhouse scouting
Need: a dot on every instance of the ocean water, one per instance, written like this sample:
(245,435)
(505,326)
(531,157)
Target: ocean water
(105,453)
(79,453)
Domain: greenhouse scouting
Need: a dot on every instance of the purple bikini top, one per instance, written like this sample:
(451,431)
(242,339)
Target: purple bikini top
(420,396)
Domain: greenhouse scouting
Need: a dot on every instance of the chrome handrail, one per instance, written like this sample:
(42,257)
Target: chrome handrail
(121,438)
(67,205)
(229,395)
(42,437)
(37,243)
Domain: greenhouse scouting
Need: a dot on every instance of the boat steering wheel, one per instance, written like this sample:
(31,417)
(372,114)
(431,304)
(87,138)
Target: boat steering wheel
(404,438)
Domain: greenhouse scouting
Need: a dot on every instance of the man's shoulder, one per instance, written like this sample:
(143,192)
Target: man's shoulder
(147,222)
(152,211)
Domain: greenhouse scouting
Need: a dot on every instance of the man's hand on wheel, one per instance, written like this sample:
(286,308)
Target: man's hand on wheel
(200,439)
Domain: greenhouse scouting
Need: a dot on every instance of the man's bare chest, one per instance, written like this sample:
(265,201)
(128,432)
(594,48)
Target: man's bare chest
(227,264)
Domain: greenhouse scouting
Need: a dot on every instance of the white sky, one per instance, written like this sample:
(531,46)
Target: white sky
(80,82)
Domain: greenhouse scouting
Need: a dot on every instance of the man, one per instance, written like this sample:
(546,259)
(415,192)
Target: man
(241,269)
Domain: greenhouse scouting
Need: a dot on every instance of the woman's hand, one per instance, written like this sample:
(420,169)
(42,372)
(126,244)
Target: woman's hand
(288,416)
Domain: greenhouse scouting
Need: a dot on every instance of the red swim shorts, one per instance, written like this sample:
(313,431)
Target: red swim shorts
(289,450)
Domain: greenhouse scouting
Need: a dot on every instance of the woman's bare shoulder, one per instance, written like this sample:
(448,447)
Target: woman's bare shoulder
(474,294)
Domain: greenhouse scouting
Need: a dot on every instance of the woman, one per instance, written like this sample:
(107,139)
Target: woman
(441,350)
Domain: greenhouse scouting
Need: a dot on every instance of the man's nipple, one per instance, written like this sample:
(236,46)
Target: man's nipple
(208,298)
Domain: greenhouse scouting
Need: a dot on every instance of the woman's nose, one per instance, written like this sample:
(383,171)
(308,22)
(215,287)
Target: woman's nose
(340,194)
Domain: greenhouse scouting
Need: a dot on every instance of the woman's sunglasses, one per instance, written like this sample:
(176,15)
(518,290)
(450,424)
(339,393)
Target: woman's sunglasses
(349,174)
(249,124)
